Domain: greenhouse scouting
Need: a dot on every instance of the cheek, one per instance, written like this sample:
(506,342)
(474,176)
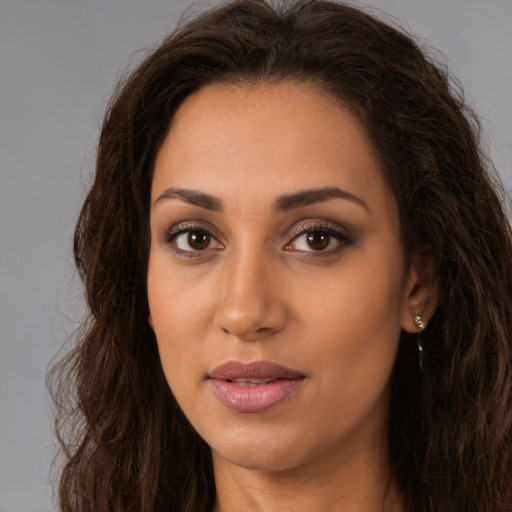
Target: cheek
(354,324)
(180,316)
(359,296)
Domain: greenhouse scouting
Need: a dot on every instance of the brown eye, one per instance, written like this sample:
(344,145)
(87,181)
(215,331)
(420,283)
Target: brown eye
(198,240)
(318,240)
(193,242)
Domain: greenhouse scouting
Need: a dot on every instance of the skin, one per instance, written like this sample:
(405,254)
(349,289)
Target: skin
(259,291)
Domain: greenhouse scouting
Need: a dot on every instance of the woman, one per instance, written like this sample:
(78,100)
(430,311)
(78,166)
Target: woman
(299,273)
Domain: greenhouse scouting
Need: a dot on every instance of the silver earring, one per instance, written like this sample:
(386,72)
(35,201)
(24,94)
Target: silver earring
(420,325)
(419,322)
(420,352)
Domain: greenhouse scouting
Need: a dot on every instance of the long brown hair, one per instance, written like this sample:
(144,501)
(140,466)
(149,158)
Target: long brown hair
(126,444)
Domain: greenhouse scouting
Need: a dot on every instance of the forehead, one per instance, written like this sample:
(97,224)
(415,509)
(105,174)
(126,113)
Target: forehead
(267,139)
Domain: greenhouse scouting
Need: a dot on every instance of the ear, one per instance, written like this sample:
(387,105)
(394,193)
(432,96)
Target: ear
(421,297)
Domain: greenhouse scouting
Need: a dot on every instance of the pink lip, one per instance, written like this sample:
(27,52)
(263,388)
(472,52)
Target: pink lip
(271,384)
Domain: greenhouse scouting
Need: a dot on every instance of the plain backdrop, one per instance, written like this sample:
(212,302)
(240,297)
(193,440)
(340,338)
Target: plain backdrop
(59,61)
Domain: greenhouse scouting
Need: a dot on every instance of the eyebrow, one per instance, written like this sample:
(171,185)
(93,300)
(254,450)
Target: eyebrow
(194,197)
(311,196)
(283,203)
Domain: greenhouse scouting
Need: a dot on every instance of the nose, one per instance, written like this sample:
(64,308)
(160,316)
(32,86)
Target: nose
(252,304)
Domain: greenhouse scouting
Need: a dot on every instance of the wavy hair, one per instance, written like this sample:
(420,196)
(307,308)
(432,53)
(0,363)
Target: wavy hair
(126,444)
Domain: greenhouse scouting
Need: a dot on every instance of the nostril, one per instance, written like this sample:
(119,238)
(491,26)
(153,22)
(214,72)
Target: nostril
(263,330)
(259,318)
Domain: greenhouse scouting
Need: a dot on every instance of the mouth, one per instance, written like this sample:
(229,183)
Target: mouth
(254,387)
(248,382)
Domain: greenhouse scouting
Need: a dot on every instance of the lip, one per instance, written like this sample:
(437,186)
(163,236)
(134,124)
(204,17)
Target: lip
(255,386)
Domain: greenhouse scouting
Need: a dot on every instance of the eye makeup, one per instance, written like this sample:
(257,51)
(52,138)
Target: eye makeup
(319,238)
(310,238)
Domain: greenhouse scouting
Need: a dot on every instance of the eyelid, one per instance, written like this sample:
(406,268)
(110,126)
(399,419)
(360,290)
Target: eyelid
(169,235)
(188,225)
(333,229)
(319,225)
(311,225)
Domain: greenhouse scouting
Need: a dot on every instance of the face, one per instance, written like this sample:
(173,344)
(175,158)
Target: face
(276,282)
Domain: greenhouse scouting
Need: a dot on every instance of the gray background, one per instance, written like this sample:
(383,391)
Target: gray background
(59,60)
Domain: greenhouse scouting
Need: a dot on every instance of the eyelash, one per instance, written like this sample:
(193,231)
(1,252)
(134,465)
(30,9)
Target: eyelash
(330,229)
(184,228)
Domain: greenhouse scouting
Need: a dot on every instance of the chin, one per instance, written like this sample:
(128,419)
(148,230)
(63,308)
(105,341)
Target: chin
(266,454)
(258,461)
